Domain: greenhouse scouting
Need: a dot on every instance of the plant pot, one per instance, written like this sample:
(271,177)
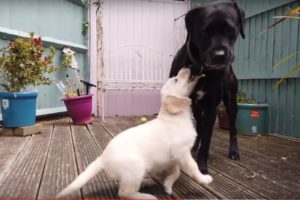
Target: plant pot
(79,108)
(252,119)
(223,120)
(18,108)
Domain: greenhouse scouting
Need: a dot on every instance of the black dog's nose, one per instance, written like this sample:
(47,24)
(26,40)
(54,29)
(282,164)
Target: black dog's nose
(218,56)
(219,52)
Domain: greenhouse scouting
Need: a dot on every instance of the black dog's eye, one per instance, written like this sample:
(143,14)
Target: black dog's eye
(228,31)
(175,80)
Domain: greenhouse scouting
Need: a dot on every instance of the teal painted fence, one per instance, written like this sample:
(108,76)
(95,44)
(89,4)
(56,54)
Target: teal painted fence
(59,22)
(256,55)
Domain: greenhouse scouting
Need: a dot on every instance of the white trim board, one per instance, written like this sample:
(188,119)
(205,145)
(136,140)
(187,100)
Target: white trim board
(6,33)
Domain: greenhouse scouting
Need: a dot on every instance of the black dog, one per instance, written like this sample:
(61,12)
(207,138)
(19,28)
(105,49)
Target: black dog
(212,31)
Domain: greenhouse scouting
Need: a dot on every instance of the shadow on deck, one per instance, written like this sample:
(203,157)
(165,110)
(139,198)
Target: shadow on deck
(39,166)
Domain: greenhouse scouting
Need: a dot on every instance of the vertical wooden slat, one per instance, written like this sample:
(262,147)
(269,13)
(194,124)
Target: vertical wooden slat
(290,107)
(282,108)
(263,45)
(275,111)
(297,109)
(252,45)
(270,45)
(256,68)
(269,100)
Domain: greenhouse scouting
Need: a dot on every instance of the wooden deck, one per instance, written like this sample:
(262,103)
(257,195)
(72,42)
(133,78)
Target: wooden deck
(40,166)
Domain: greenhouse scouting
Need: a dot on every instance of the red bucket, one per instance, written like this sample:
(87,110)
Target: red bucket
(79,108)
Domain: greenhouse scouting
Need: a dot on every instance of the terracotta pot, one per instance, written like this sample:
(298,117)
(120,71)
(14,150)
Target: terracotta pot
(223,120)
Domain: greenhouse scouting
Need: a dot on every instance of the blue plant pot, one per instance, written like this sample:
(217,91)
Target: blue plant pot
(18,108)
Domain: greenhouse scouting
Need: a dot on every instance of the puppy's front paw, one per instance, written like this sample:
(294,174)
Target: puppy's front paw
(168,189)
(206,179)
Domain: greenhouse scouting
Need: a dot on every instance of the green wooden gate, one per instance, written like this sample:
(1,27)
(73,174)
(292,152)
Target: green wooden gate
(59,22)
(256,55)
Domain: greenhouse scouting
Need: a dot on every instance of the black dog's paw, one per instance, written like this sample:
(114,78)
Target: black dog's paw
(233,155)
(204,171)
(203,168)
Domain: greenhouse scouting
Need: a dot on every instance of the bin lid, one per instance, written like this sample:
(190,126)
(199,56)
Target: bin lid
(248,105)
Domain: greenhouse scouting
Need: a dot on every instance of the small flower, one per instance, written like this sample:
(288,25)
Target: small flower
(37,58)
(37,41)
(11,44)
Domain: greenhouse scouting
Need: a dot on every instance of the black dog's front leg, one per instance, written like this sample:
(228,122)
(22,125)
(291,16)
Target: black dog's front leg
(204,126)
(230,103)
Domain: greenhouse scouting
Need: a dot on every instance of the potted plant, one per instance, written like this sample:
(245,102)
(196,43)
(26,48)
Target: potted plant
(77,101)
(23,64)
(252,118)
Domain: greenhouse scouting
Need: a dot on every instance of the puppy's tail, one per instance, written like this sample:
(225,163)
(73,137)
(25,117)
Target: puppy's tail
(92,170)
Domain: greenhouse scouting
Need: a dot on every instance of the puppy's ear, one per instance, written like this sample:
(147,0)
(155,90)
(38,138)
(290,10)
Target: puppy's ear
(241,15)
(175,104)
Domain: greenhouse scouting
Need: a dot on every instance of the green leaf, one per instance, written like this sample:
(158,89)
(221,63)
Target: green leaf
(284,60)
(291,71)
(286,17)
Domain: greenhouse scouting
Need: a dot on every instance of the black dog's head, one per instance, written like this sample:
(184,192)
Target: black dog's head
(212,31)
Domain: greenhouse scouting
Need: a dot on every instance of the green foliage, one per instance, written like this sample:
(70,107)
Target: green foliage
(242,98)
(23,63)
(85,28)
(290,15)
(66,62)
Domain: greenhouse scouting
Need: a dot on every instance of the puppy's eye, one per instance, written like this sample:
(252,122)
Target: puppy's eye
(175,80)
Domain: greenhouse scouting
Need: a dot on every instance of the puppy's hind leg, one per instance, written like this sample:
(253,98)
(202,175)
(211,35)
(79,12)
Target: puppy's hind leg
(171,178)
(148,181)
(130,185)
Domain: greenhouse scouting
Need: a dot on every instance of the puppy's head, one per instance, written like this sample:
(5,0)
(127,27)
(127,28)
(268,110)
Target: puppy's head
(175,92)
(212,31)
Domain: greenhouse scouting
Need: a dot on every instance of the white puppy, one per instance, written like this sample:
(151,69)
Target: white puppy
(161,145)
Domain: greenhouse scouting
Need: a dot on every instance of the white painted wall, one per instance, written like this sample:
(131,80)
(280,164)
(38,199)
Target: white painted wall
(139,41)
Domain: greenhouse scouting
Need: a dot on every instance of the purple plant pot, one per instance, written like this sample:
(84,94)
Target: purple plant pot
(79,108)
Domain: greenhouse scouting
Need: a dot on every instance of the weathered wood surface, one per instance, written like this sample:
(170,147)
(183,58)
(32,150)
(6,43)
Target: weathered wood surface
(39,166)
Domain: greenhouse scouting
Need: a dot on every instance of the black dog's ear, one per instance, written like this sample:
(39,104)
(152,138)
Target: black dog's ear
(189,18)
(241,15)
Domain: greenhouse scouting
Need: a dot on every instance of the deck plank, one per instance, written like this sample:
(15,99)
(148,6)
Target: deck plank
(186,188)
(259,185)
(26,171)
(87,150)
(264,184)
(268,146)
(10,149)
(61,166)
(229,188)
(266,161)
